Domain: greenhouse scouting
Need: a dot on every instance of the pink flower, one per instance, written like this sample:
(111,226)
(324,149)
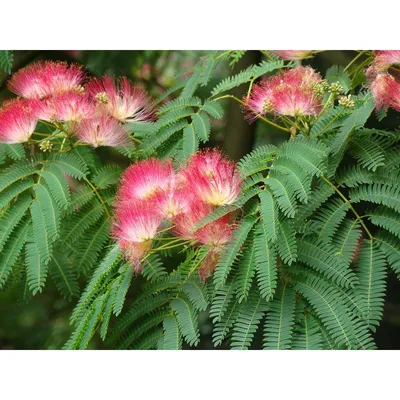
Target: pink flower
(289,93)
(292,54)
(46,78)
(102,131)
(136,222)
(386,58)
(17,121)
(121,99)
(212,178)
(380,88)
(215,234)
(209,264)
(72,106)
(384,83)
(135,252)
(172,201)
(144,179)
(44,110)
(135,227)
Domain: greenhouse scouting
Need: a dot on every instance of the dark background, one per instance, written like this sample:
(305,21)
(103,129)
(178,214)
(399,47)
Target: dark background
(43,322)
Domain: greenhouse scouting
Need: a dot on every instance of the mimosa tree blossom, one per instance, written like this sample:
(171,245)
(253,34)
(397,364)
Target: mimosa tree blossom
(102,131)
(121,99)
(173,201)
(386,58)
(46,78)
(72,107)
(143,179)
(212,178)
(289,93)
(152,192)
(385,83)
(215,235)
(135,227)
(17,121)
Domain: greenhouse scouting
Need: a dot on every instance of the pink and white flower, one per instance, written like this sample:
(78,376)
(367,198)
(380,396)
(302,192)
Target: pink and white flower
(145,179)
(135,227)
(121,99)
(292,54)
(102,131)
(212,178)
(385,58)
(46,78)
(289,93)
(172,201)
(17,121)
(215,234)
(385,83)
(72,107)
(136,222)
(381,89)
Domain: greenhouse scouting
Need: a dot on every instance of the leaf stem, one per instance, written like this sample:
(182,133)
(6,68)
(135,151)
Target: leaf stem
(95,191)
(229,96)
(355,59)
(346,200)
(171,245)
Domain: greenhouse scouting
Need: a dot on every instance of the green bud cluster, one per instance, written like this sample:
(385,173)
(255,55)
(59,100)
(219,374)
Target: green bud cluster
(347,102)
(336,88)
(45,145)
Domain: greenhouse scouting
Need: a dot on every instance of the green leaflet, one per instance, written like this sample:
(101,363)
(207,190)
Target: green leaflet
(190,141)
(10,220)
(172,336)
(230,254)
(57,184)
(266,261)
(107,176)
(327,304)
(45,221)
(36,266)
(187,320)
(286,243)
(269,213)
(64,276)
(246,270)
(10,254)
(280,321)
(201,124)
(6,60)
(246,324)
(371,265)
(356,120)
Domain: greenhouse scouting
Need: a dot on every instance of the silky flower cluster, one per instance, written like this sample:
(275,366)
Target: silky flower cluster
(384,80)
(153,198)
(94,112)
(289,93)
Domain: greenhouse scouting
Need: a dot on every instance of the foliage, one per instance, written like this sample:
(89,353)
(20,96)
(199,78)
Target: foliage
(308,263)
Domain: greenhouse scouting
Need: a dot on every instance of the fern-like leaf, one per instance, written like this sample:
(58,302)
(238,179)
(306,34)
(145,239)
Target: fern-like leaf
(371,289)
(279,322)
(286,243)
(250,315)
(265,258)
(172,336)
(319,256)
(327,303)
(232,250)
(187,319)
